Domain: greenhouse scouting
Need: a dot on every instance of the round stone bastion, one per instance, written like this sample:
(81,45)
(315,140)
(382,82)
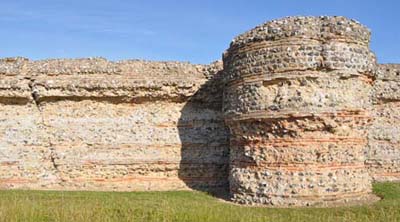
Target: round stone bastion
(295,100)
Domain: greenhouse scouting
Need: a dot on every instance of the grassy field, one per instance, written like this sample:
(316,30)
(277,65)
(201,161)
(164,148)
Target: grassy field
(177,206)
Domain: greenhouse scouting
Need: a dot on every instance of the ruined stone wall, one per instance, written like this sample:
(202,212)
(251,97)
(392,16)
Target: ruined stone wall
(383,152)
(91,124)
(299,93)
(295,102)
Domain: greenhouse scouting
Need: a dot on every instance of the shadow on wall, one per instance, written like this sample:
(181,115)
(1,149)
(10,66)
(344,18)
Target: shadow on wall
(205,140)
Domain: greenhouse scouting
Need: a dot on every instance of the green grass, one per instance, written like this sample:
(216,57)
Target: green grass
(178,206)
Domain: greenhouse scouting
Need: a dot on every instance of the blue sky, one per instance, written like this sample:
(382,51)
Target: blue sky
(196,31)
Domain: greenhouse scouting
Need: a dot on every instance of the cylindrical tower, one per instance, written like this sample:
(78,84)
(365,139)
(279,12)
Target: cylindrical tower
(295,101)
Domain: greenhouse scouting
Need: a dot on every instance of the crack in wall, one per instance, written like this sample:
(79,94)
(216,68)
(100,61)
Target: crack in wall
(35,98)
(34,92)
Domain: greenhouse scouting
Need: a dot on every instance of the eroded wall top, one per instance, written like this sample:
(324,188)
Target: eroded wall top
(127,80)
(321,27)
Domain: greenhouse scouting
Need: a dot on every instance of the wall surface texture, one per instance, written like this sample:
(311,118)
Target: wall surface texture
(91,124)
(383,152)
(282,122)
